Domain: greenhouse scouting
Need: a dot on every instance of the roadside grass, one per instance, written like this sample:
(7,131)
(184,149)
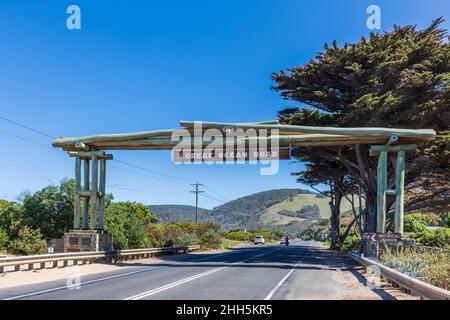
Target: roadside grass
(433,268)
(228,244)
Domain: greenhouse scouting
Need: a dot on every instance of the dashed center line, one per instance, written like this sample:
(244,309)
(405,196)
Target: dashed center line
(191,278)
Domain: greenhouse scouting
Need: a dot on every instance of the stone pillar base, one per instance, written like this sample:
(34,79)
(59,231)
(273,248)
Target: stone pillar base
(87,240)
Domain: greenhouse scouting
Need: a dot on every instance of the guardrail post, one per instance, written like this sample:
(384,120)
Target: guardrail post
(42,265)
(30,266)
(17,267)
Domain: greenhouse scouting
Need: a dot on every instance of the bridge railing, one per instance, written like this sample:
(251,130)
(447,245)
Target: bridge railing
(42,261)
(417,287)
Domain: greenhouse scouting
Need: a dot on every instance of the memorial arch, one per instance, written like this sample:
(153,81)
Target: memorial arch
(91,157)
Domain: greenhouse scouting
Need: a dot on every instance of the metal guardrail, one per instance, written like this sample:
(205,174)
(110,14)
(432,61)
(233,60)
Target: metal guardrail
(84,257)
(417,287)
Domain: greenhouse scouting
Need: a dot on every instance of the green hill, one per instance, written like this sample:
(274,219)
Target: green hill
(289,209)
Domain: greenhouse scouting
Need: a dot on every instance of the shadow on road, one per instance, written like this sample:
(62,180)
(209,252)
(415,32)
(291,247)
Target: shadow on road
(271,256)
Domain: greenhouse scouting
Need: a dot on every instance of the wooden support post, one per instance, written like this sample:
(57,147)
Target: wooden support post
(381,190)
(76,205)
(102,187)
(94,194)
(399,186)
(86,189)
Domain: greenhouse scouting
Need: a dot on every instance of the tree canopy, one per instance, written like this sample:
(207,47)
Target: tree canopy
(394,79)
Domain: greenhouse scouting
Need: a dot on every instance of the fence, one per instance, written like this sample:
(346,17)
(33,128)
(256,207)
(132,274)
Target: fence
(63,259)
(417,287)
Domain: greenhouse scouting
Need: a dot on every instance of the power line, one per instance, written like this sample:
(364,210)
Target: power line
(27,127)
(26,139)
(128,188)
(154,171)
(163,176)
(52,137)
(213,198)
(29,172)
(143,174)
(196,191)
(32,168)
(217,194)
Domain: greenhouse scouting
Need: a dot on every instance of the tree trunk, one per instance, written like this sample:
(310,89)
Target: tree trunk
(335,206)
(367,178)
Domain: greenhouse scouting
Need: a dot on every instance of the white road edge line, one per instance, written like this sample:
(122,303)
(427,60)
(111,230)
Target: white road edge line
(191,278)
(279,284)
(110,277)
(81,284)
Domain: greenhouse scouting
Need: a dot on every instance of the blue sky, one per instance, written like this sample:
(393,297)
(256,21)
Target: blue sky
(144,65)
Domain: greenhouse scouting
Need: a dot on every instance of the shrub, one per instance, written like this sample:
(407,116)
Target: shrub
(210,239)
(29,241)
(238,235)
(127,222)
(278,233)
(445,221)
(4,239)
(428,219)
(434,267)
(434,238)
(182,234)
(411,224)
(352,242)
(189,239)
(307,235)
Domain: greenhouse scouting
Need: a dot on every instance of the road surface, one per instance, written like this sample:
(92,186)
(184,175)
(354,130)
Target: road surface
(303,270)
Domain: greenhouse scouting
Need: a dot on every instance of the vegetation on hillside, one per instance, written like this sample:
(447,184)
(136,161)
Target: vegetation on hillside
(245,212)
(268,209)
(169,213)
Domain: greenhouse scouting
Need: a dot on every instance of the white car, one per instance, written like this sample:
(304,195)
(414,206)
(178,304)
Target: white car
(259,240)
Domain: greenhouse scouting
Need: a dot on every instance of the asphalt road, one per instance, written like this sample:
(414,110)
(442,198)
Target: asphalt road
(303,270)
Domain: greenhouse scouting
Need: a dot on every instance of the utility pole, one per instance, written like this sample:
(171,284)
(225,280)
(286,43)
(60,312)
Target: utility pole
(196,191)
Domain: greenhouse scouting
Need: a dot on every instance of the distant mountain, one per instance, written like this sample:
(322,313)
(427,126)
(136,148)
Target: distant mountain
(168,213)
(289,209)
(247,212)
